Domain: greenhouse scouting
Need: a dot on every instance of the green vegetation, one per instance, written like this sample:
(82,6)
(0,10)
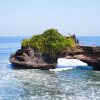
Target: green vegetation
(50,42)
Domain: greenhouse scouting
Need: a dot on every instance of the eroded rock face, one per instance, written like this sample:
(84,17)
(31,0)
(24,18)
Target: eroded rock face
(31,58)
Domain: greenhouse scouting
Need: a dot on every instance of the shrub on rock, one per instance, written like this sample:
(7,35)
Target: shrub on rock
(49,43)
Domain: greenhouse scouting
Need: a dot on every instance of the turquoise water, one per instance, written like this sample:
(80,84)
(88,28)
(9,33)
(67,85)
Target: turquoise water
(34,84)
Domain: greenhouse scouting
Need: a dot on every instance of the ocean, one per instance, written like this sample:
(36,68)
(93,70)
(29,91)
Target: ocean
(35,84)
(89,41)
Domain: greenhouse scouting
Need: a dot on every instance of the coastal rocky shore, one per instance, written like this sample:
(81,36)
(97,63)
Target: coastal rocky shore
(30,58)
(42,51)
(87,54)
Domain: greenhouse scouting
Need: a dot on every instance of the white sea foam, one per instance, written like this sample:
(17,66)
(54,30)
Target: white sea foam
(60,69)
(70,62)
(66,64)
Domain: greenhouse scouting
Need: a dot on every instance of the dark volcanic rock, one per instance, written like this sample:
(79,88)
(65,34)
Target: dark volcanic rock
(31,58)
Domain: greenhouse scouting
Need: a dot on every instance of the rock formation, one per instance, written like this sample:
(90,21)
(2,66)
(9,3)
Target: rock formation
(42,51)
(30,58)
(87,54)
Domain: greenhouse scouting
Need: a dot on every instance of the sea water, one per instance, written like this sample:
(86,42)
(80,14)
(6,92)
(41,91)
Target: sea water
(35,84)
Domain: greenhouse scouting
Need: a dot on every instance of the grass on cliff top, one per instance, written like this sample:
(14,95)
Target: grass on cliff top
(50,42)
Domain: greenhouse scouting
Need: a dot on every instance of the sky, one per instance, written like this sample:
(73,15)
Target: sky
(29,17)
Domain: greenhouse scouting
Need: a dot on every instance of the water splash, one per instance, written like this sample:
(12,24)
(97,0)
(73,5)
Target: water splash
(66,64)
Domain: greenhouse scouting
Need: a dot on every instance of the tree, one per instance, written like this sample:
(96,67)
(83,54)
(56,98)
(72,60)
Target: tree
(49,43)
